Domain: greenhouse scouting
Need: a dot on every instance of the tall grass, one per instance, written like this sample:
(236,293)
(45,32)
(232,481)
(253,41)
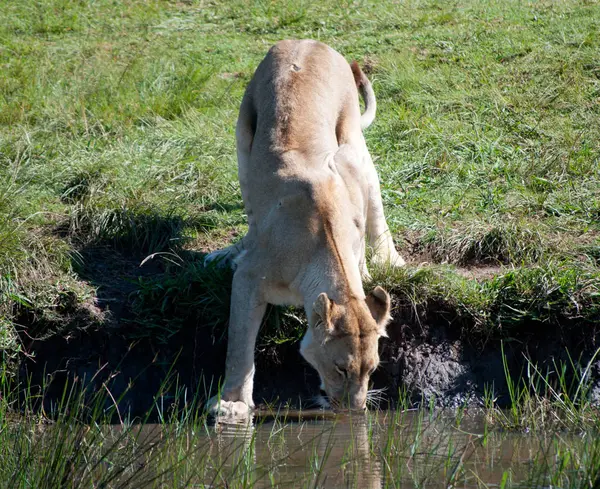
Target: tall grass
(86,439)
(557,397)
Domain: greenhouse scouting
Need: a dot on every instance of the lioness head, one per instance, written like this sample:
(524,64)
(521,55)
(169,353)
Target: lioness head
(341,344)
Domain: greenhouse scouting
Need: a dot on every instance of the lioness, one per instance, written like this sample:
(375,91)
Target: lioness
(311,192)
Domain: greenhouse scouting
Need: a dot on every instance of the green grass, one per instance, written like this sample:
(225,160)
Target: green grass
(117,132)
(117,143)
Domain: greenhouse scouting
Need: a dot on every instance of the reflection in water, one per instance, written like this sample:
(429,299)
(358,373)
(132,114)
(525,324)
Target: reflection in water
(389,449)
(367,465)
(235,447)
(318,453)
(375,451)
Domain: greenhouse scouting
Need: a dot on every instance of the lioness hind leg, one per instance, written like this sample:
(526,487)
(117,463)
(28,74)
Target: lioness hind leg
(244,135)
(378,232)
(247,311)
(225,257)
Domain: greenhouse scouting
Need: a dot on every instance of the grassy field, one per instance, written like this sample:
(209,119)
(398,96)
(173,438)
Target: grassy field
(117,142)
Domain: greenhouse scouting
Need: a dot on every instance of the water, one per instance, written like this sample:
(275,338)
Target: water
(387,449)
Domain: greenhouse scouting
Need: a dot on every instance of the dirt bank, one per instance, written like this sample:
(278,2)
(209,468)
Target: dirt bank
(428,353)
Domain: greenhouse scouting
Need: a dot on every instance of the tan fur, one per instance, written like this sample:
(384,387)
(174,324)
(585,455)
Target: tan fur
(311,194)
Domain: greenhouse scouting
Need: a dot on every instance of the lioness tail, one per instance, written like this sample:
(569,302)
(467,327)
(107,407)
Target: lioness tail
(366,90)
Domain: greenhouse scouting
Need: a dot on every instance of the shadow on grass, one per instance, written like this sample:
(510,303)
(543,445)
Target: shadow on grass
(155,319)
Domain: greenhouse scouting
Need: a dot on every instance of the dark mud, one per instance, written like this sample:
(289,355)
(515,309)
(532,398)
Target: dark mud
(426,355)
(433,361)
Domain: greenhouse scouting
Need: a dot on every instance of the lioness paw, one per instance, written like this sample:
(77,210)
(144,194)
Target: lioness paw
(235,410)
(397,261)
(390,259)
(221,259)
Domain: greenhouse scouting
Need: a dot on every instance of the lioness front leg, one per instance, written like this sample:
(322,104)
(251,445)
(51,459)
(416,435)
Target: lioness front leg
(378,232)
(247,311)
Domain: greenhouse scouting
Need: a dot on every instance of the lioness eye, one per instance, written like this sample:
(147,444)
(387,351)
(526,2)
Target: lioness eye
(341,371)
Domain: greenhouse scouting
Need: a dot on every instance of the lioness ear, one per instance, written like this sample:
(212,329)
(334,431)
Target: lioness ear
(379,304)
(322,311)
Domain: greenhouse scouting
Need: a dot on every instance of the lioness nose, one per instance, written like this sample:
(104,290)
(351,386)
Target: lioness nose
(359,404)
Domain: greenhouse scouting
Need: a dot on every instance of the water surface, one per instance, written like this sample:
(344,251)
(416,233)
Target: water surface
(387,449)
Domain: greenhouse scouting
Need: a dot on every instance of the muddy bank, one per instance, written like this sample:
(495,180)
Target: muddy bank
(432,361)
(429,364)
(428,353)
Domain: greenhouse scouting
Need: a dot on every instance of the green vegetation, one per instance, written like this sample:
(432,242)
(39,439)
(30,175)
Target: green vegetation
(117,149)
(80,448)
(116,142)
(555,399)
